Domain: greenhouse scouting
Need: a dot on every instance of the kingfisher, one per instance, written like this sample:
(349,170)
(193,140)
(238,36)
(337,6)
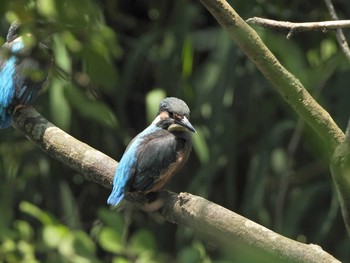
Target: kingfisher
(23,72)
(155,154)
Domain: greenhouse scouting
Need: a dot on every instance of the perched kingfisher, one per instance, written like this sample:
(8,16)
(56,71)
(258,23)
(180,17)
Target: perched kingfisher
(23,72)
(155,154)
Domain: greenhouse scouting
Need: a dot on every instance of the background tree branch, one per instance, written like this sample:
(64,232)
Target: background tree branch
(340,34)
(298,27)
(293,27)
(219,224)
(340,168)
(291,89)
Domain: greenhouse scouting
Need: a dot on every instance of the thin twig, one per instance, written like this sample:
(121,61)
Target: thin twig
(340,34)
(299,27)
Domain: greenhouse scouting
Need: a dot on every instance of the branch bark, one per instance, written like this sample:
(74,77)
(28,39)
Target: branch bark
(230,229)
(289,87)
(298,27)
(210,219)
(94,165)
(340,169)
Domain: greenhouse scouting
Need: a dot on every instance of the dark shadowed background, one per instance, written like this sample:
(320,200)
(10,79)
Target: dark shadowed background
(252,154)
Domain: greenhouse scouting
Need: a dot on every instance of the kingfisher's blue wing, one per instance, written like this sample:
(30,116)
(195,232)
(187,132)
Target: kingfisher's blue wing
(126,167)
(7,88)
(122,174)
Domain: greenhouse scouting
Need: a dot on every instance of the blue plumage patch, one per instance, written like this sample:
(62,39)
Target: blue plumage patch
(126,166)
(7,87)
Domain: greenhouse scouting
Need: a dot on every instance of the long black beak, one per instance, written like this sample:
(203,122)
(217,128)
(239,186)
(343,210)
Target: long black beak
(186,123)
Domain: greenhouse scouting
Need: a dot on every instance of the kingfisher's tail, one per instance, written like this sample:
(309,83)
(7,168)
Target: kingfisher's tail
(115,198)
(117,194)
(5,117)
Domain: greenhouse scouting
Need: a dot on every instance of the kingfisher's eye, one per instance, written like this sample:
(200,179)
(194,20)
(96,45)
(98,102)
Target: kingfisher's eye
(171,115)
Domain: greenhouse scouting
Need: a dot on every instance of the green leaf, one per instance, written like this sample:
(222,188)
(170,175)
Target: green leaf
(328,49)
(62,57)
(78,247)
(112,219)
(54,234)
(47,8)
(200,146)
(279,160)
(36,212)
(100,69)
(28,251)
(90,109)
(60,108)
(25,230)
(152,103)
(110,240)
(142,241)
(120,260)
(189,255)
(187,58)
(69,205)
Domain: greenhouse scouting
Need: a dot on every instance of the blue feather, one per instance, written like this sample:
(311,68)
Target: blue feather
(7,87)
(126,166)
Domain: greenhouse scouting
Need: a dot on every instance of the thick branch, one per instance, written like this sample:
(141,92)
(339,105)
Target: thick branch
(285,83)
(231,229)
(82,158)
(340,168)
(210,219)
(298,27)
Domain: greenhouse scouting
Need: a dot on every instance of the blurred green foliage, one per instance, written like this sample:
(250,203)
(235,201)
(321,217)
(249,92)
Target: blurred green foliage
(114,61)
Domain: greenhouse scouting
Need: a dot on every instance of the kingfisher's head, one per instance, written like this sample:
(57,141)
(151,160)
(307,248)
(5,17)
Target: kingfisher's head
(173,115)
(13,32)
(42,30)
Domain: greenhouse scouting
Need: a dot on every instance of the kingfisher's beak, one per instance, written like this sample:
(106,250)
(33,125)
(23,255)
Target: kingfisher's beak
(184,122)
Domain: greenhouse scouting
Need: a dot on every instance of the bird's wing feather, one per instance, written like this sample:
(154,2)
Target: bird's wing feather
(126,167)
(157,153)
(27,89)
(124,171)
(7,92)
(31,75)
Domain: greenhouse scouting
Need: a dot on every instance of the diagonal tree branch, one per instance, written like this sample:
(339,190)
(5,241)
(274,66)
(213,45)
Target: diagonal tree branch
(289,87)
(219,224)
(79,156)
(340,168)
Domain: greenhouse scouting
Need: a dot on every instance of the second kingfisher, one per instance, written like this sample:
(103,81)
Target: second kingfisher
(155,154)
(23,72)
